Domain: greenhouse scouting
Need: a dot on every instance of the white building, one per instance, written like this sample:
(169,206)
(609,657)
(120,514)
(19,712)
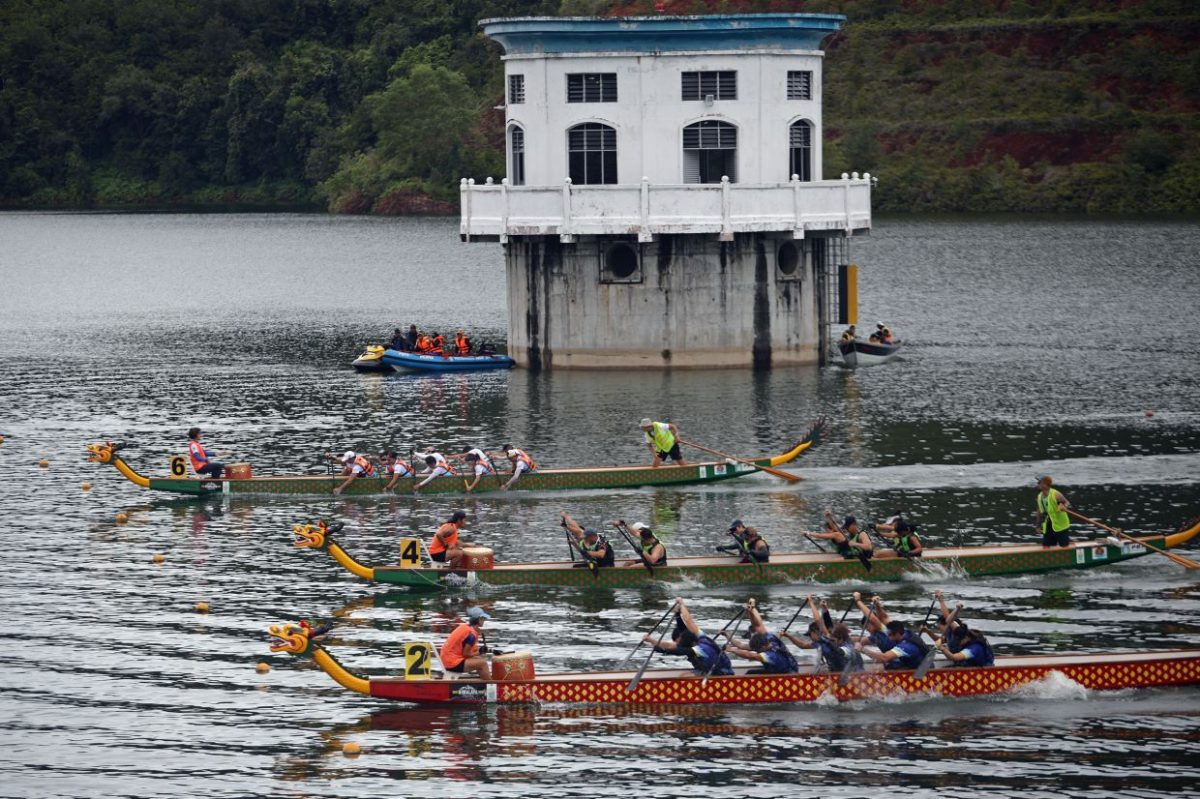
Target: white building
(664,203)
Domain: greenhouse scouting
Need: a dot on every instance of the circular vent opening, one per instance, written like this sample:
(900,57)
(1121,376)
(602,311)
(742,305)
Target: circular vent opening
(621,260)
(789,258)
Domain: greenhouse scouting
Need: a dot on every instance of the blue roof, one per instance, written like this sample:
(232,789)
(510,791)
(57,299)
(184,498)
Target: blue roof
(733,32)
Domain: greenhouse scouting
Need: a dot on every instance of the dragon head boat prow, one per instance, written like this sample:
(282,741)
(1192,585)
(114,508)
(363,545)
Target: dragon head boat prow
(315,536)
(296,639)
(102,452)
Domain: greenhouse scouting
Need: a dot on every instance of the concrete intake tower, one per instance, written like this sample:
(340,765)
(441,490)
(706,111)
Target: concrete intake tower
(664,205)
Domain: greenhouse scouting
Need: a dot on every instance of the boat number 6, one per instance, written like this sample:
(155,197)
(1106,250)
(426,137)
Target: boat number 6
(178,467)
(417,660)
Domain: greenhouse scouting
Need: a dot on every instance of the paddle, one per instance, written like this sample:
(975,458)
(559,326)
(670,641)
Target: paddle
(927,662)
(862,555)
(1186,563)
(628,536)
(815,543)
(792,620)
(573,546)
(848,669)
(637,678)
(745,550)
(791,478)
(736,620)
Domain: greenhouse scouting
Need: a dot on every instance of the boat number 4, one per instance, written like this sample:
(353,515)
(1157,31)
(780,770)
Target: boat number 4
(410,553)
(178,467)
(418,660)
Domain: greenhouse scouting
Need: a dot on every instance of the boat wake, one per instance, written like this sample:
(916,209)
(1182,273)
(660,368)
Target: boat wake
(930,572)
(1054,685)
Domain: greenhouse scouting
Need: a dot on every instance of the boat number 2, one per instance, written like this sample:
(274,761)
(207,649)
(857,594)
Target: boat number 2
(178,467)
(418,659)
(410,553)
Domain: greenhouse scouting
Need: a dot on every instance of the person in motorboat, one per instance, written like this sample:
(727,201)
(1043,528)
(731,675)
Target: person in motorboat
(521,463)
(654,552)
(398,342)
(884,333)
(689,641)
(906,651)
(831,641)
(202,464)
(486,348)
(764,647)
(424,345)
(436,465)
(462,344)
(445,547)
(849,334)
(1051,514)
(662,439)
(397,467)
(594,547)
(462,652)
(851,543)
(411,337)
(901,535)
(439,344)
(354,466)
(477,467)
(748,543)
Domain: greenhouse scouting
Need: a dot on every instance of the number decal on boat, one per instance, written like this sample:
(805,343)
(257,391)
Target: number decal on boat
(410,553)
(418,659)
(178,467)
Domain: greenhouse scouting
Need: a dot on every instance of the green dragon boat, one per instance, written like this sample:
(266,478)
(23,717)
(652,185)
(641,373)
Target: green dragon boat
(540,480)
(783,567)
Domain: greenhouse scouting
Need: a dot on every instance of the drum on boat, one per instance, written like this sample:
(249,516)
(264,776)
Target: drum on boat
(477,559)
(239,471)
(513,667)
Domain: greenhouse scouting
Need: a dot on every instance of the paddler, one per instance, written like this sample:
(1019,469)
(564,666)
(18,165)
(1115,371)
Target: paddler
(748,543)
(202,465)
(764,647)
(445,546)
(905,649)
(461,651)
(436,465)
(653,551)
(478,467)
(521,463)
(851,542)
(689,641)
(832,641)
(595,547)
(354,466)
(662,439)
(1051,514)
(483,455)
(397,467)
(901,535)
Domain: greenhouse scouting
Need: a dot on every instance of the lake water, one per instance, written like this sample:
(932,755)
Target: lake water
(1033,346)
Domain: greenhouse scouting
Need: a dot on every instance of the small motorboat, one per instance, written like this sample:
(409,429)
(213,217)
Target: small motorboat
(867,353)
(445,363)
(372,361)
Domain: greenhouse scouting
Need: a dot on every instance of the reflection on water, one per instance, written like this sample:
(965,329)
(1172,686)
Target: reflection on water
(113,684)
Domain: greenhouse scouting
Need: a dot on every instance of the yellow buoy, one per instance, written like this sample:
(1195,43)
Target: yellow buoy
(45,464)
(158,557)
(351,749)
(86,486)
(202,607)
(122,517)
(262,667)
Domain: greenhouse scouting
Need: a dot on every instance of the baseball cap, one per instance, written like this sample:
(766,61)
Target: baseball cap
(349,456)
(589,532)
(645,423)
(512,453)
(477,613)
(735,524)
(638,527)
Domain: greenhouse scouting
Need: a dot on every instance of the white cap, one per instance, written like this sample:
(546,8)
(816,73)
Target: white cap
(645,423)
(879,324)
(637,527)
(512,453)
(349,456)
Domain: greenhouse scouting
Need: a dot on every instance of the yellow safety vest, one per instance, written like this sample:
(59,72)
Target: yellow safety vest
(661,437)
(1048,506)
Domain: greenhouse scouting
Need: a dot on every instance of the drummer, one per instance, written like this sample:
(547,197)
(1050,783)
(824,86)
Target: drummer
(445,546)
(461,651)
(595,547)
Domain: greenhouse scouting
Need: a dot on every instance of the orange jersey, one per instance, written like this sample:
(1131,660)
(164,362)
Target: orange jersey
(462,644)
(446,538)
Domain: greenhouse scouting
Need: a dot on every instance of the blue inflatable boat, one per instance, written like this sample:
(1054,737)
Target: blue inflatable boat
(448,363)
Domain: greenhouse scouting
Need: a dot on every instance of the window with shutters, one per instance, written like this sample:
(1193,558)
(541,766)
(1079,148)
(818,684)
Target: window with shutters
(516,156)
(718,85)
(592,153)
(709,152)
(516,89)
(799,85)
(800,138)
(592,87)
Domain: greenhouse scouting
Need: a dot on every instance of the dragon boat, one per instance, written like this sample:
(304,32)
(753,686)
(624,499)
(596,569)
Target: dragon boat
(541,480)
(783,567)
(1096,672)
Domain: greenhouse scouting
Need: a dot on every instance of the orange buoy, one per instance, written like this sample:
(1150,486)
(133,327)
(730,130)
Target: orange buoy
(122,517)
(45,464)
(86,486)
(351,749)
(158,557)
(262,667)
(202,607)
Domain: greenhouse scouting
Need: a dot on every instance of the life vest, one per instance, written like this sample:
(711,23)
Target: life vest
(452,651)
(904,543)
(365,465)
(609,559)
(450,533)
(525,459)
(424,344)
(197,455)
(752,554)
(648,548)
(779,658)
(705,653)
(1048,506)
(440,460)
(833,655)
(914,653)
(981,655)
(401,468)
(661,437)
(462,345)
(439,345)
